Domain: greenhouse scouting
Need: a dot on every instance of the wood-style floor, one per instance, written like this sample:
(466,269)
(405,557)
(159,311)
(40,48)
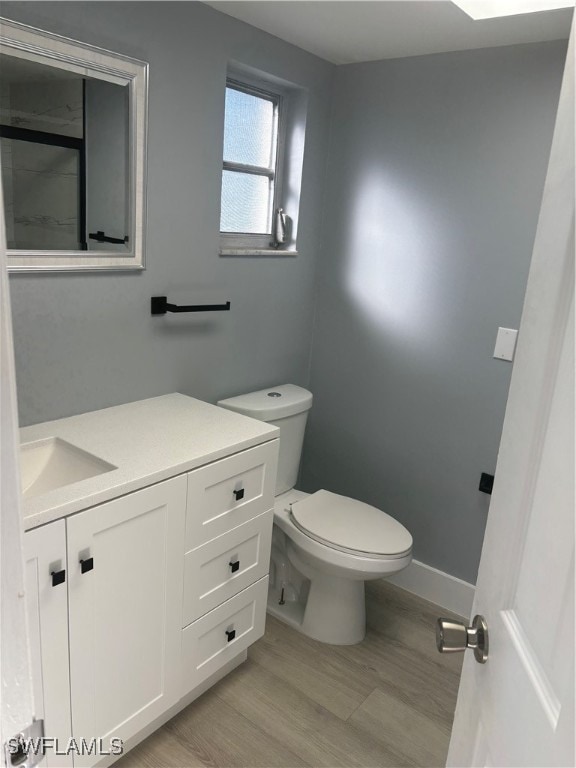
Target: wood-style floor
(388,701)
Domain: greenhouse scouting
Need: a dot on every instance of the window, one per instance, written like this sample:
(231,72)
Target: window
(251,184)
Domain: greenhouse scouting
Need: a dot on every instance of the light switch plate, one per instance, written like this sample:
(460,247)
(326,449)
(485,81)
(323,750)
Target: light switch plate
(505,344)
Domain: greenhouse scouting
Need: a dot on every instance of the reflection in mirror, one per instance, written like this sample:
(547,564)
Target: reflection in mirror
(73,121)
(65,163)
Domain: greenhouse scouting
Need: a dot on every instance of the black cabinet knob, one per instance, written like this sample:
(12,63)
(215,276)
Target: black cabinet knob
(58,577)
(230,634)
(87,564)
(238,494)
(234,566)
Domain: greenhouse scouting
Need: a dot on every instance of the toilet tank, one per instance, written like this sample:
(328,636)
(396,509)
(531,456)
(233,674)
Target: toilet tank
(285,406)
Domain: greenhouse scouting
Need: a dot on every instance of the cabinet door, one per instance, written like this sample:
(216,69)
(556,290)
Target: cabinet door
(47,604)
(125,590)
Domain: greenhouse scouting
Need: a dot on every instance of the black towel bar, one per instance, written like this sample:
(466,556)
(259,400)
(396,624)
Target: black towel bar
(159,306)
(102,237)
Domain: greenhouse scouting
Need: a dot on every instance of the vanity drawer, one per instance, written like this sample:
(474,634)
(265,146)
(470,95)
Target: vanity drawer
(216,638)
(227,493)
(219,569)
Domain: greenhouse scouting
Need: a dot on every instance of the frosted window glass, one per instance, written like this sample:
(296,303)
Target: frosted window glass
(248,129)
(245,203)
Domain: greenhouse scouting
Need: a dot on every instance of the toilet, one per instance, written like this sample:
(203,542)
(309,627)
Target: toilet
(324,546)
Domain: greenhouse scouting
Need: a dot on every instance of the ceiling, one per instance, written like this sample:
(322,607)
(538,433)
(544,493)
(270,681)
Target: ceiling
(349,31)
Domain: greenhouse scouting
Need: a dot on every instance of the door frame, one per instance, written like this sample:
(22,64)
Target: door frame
(16,692)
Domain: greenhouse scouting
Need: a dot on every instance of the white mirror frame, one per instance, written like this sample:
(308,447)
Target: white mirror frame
(45,47)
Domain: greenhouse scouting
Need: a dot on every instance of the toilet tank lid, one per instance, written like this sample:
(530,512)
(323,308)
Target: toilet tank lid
(272,403)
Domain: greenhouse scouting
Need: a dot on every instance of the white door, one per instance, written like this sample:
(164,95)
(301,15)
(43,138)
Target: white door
(125,603)
(518,708)
(16,703)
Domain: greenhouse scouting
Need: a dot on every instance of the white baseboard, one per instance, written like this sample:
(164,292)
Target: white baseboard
(436,586)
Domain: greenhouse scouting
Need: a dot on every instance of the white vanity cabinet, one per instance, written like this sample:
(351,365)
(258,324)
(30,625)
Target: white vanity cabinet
(47,603)
(125,601)
(105,600)
(154,593)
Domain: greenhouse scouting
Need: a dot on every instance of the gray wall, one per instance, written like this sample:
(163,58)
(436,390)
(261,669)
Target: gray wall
(88,341)
(436,170)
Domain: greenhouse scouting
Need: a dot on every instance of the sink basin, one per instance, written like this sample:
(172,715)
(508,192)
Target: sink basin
(52,463)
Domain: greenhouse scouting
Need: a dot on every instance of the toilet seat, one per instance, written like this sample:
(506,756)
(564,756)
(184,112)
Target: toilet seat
(351,526)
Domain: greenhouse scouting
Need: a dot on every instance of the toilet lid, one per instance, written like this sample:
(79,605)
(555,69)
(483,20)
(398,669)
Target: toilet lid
(351,525)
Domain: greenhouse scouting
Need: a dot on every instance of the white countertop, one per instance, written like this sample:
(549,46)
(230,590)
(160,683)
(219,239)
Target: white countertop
(148,441)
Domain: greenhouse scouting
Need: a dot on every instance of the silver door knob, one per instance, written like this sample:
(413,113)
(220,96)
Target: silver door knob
(453,636)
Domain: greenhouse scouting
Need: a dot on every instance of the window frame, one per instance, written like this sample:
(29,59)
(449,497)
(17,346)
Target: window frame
(247,241)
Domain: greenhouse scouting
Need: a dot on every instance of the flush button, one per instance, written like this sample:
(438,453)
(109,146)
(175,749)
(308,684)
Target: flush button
(274,394)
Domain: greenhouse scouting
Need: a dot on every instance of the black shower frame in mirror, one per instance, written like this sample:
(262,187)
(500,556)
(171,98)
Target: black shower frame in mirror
(15,133)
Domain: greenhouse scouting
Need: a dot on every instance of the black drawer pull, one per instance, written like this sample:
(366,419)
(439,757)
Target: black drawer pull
(230,634)
(234,566)
(58,577)
(87,565)
(238,494)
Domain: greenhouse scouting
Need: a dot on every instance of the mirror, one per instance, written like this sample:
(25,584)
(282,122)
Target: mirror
(72,150)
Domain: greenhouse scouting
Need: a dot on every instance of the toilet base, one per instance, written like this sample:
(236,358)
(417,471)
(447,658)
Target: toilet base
(323,594)
(333,611)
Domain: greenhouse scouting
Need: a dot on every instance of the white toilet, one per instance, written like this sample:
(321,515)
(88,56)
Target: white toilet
(325,546)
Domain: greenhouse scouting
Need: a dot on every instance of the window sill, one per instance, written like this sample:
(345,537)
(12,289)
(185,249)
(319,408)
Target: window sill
(256,252)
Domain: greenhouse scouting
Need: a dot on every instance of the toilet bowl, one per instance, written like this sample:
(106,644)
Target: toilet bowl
(335,607)
(326,545)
